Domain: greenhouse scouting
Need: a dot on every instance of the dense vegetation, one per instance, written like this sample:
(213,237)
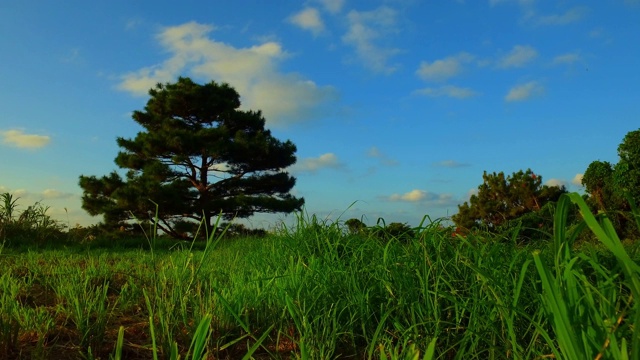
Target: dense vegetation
(318,291)
(614,189)
(521,204)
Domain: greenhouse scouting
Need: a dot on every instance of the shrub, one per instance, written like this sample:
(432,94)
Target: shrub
(30,226)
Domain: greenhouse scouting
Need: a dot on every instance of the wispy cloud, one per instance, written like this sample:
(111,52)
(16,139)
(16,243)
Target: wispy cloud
(17,138)
(448,91)
(531,16)
(519,56)
(313,164)
(567,59)
(375,153)
(72,57)
(284,98)
(521,2)
(332,6)
(30,196)
(570,16)
(525,91)
(450,164)
(56,194)
(366,28)
(308,19)
(443,69)
(133,23)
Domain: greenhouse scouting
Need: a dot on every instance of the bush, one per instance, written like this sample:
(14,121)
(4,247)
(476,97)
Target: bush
(395,230)
(30,226)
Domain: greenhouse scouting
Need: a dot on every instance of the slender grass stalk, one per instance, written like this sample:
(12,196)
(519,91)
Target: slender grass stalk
(117,352)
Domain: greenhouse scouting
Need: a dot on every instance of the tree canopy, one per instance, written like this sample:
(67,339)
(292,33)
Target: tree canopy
(503,198)
(626,173)
(199,156)
(610,187)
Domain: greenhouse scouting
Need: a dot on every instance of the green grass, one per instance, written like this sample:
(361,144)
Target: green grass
(315,292)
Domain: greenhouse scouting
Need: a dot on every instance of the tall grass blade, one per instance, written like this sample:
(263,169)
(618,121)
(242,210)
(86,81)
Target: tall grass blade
(117,353)
(431,350)
(200,338)
(557,307)
(257,344)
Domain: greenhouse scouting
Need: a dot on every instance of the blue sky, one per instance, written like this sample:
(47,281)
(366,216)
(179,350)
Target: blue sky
(399,105)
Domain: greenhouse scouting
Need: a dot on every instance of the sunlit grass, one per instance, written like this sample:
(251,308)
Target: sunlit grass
(314,291)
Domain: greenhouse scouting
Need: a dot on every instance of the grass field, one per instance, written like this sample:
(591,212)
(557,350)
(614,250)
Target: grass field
(315,292)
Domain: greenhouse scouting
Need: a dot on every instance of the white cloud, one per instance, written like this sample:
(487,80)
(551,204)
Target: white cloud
(374,152)
(556,182)
(253,71)
(412,196)
(519,56)
(524,91)
(308,19)
(332,6)
(17,138)
(577,180)
(365,29)
(449,91)
(572,15)
(443,69)
(450,164)
(424,197)
(567,59)
(328,160)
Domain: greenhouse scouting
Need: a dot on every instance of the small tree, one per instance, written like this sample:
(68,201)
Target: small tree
(598,181)
(501,199)
(355,226)
(199,156)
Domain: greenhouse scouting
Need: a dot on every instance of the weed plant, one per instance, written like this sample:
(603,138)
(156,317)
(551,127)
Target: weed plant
(316,291)
(32,225)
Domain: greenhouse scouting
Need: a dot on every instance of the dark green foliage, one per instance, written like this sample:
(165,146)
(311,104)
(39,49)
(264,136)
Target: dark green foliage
(502,199)
(198,157)
(534,225)
(355,226)
(394,230)
(241,231)
(610,187)
(626,173)
(399,231)
(598,181)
